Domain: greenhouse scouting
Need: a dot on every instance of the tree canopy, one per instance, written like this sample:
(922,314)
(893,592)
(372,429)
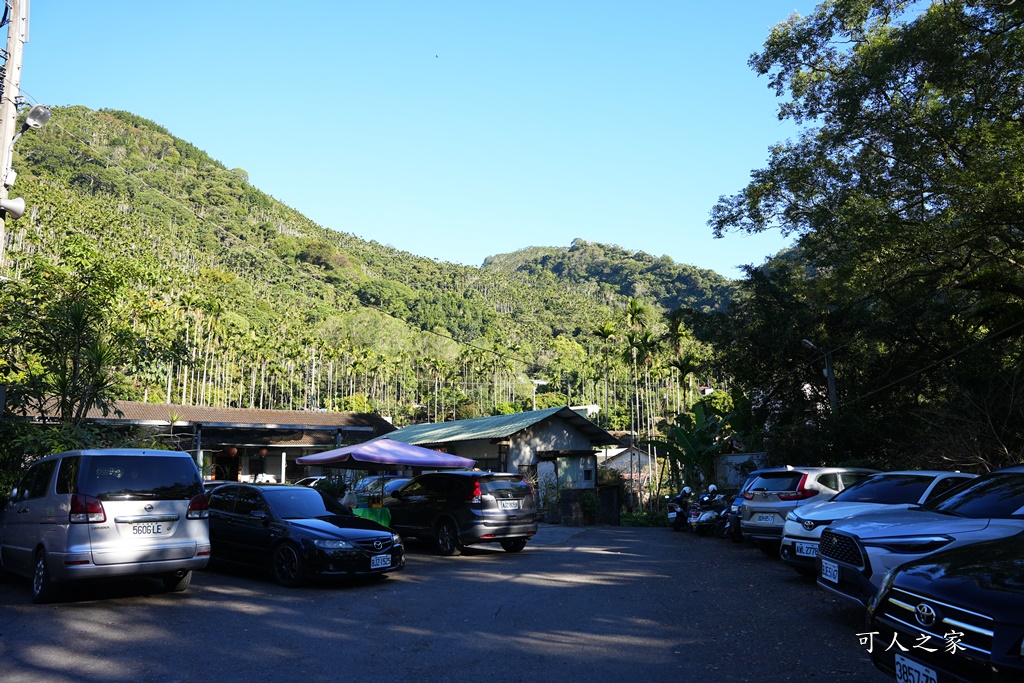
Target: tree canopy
(906,190)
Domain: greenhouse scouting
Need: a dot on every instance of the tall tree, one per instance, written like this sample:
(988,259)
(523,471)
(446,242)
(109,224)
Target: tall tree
(905,191)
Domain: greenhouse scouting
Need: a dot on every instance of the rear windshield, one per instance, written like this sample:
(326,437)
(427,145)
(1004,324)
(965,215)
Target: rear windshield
(995,495)
(148,477)
(886,488)
(505,487)
(777,481)
(302,503)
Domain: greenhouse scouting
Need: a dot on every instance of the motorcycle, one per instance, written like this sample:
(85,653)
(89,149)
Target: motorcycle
(709,514)
(677,510)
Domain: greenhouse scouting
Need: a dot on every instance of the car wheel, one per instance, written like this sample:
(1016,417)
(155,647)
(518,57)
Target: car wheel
(43,590)
(513,545)
(446,538)
(177,582)
(288,565)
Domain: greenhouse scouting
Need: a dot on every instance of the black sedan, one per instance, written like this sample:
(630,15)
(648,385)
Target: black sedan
(954,615)
(297,532)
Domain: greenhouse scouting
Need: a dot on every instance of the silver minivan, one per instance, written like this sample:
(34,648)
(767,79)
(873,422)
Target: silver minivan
(106,513)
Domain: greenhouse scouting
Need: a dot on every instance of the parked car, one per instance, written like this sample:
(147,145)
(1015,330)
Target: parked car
(106,513)
(776,492)
(884,491)
(456,509)
(855,553)
(297,532)
(734,529)
(372,490)
(969,603)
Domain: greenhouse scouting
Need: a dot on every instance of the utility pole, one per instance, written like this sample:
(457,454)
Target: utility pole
(17,36)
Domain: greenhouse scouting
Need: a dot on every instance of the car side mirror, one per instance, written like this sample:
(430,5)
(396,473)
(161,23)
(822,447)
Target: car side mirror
(258,514)
(397,493)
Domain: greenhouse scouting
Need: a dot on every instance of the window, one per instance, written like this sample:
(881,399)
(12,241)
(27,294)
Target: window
(121,477)
(947,484)
(829,481)
(223,498)
(249,500)
(36,480)
(889,489)
(67,474)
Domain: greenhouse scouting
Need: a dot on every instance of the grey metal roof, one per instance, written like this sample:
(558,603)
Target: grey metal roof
(498,427)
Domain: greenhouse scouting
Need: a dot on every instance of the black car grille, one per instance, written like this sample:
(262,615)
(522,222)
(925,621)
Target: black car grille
(381,544)
(840,548)
(970,660)
(913,613)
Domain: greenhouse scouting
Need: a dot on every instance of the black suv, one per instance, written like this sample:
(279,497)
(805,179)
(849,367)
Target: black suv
(456,509)
(954,615)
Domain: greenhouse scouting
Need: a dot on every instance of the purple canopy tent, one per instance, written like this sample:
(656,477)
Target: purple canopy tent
(380,453)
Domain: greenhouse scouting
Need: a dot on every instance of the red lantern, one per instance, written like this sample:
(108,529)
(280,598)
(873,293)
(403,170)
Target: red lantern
(263,452)
(232,451)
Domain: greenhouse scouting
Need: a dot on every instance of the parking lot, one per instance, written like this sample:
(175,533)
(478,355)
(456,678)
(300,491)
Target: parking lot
(580,603)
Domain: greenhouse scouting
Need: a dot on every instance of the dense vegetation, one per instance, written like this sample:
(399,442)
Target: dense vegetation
(906,190)
(224,296)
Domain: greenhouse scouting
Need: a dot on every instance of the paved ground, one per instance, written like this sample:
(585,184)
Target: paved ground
(595,604)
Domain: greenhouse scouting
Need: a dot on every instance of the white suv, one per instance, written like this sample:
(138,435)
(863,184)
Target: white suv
(106,513)
(855,553)
(777,492)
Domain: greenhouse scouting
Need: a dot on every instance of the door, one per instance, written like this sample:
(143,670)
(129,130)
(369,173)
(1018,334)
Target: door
(22,525)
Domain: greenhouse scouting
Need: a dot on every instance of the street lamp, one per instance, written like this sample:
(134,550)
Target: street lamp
(36,118)
(829,375)
(537,383)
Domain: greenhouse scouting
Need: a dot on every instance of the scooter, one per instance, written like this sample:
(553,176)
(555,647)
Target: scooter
(709,515)
(677,510)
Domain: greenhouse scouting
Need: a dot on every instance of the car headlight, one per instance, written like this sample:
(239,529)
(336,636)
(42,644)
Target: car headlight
(336,544)
(396,539)
(791,516)
(910,544)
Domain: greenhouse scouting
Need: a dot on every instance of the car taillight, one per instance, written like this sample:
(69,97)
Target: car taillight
(749,495)
(528,485)
(198,507)
(800,494)
(474,497)
(86,510)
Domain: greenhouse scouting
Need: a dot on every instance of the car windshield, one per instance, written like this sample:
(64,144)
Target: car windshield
(370,483)
(777,481)
(302,503)
(998,495)
(889,489)
(505,487)
(120,477)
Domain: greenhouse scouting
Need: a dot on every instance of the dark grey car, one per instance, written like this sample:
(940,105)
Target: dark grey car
(456,509)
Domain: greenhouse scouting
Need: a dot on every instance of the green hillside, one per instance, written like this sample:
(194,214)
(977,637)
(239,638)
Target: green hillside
(242,301)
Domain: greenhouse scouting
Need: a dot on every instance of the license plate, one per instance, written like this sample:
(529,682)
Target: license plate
(380,562)
(766,519)
(671,515)
(510,505)
(147,529)
(909,671)
(830,571)
(807,549)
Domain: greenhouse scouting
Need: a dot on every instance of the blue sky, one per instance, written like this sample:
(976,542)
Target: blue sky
(452,130)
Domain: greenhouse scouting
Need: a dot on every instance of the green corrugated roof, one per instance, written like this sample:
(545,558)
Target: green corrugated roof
(496,427)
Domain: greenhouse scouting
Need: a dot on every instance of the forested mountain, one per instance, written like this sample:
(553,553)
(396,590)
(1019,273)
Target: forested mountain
(215,293)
